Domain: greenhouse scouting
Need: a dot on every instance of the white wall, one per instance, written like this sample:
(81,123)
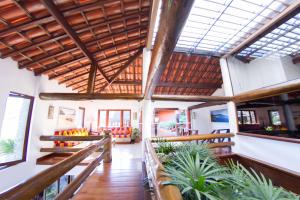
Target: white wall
(257,74)
(292,71)
(201,120)
(283,154)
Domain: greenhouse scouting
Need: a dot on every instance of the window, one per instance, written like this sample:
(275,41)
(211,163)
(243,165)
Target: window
(274,117)
(15,129)
(247,117)
(114,118)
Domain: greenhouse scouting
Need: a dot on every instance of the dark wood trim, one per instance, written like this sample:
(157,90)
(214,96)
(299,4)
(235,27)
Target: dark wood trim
(172,19)
(205,105)
(27,130)
(126,65)
(59,17)
(282,139)
(86,96)
(190,98)
(280,176)
(92,79)
(107,116)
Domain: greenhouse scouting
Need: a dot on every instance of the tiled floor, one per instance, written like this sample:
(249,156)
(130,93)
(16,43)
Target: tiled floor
(121,179)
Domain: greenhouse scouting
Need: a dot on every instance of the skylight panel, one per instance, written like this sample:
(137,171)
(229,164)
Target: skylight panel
(282,41)
(224,23)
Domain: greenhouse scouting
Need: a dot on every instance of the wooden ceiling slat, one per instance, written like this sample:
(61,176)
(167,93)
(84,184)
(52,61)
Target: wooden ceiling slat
(52,8)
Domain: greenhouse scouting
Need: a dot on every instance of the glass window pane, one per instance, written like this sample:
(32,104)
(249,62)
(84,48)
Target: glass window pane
(275,118)
(114,119)
(13,129)
(126,118)
(102,121)
(253,118)
(246,117)
(239,117)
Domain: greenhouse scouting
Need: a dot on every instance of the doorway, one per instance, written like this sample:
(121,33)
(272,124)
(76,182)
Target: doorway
(168,121)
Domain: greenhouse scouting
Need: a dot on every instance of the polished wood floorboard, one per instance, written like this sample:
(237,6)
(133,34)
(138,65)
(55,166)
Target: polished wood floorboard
(120,180)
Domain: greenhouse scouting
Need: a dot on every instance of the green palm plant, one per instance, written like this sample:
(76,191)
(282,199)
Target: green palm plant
(196,178)
(257,187)
(7,146)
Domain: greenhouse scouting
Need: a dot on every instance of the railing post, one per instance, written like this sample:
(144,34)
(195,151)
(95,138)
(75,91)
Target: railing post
(107,147)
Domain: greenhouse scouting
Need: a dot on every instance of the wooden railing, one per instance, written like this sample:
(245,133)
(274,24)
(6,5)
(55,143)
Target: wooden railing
(33,186)
(155,169)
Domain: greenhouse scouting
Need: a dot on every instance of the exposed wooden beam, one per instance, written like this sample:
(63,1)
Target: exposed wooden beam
(46,57)
(189,85)
(172,19)
(59,65)
(190,98)
(289,12)
(58,16)
(86,96)
(92,78)
(47,19)
(59,75)
(128,63)
(42,40)
(296,59)
(120,82)
(266,92)
(205,105)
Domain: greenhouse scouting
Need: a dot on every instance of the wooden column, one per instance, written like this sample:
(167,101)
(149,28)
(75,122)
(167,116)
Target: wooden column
(91,80)
(172,19)
(107,147)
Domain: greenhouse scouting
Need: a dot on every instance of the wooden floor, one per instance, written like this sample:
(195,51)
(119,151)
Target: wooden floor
(121,179)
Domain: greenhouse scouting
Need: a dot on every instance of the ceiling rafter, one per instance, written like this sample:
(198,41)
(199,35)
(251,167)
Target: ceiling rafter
(51,7)
(79,29)
(137,54)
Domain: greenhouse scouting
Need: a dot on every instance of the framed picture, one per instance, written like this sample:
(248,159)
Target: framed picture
(219,115)
(50,112)
(66,118)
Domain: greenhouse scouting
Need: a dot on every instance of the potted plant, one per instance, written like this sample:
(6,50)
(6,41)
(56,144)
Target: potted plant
(135,136)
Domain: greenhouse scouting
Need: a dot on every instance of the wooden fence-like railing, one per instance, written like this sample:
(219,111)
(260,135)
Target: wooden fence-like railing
(155,169)
(33,186)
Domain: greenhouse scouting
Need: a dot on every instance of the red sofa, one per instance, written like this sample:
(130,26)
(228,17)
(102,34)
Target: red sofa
(119,134)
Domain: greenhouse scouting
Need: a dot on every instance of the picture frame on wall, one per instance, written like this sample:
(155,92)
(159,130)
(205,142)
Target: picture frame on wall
(51,112)
(219,116)
(66,118)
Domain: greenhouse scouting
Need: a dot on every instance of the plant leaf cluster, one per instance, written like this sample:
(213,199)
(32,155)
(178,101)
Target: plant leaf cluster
(196,172)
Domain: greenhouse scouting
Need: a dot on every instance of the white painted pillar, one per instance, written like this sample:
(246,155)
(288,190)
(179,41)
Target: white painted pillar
(146,64)
(232,113)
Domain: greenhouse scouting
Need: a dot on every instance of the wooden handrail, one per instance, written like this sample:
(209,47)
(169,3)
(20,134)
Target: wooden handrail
(75,184)
(70,138)
(192,137)
(36,184)
(155,169)
(157,174)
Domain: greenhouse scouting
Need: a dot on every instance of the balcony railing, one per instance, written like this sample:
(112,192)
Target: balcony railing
(33,186)
(155,169)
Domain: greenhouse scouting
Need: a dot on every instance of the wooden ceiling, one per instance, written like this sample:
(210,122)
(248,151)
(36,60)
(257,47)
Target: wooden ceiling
(64,39)
(190,75)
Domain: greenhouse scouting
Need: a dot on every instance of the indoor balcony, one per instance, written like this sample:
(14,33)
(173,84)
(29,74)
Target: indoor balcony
(149,99)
